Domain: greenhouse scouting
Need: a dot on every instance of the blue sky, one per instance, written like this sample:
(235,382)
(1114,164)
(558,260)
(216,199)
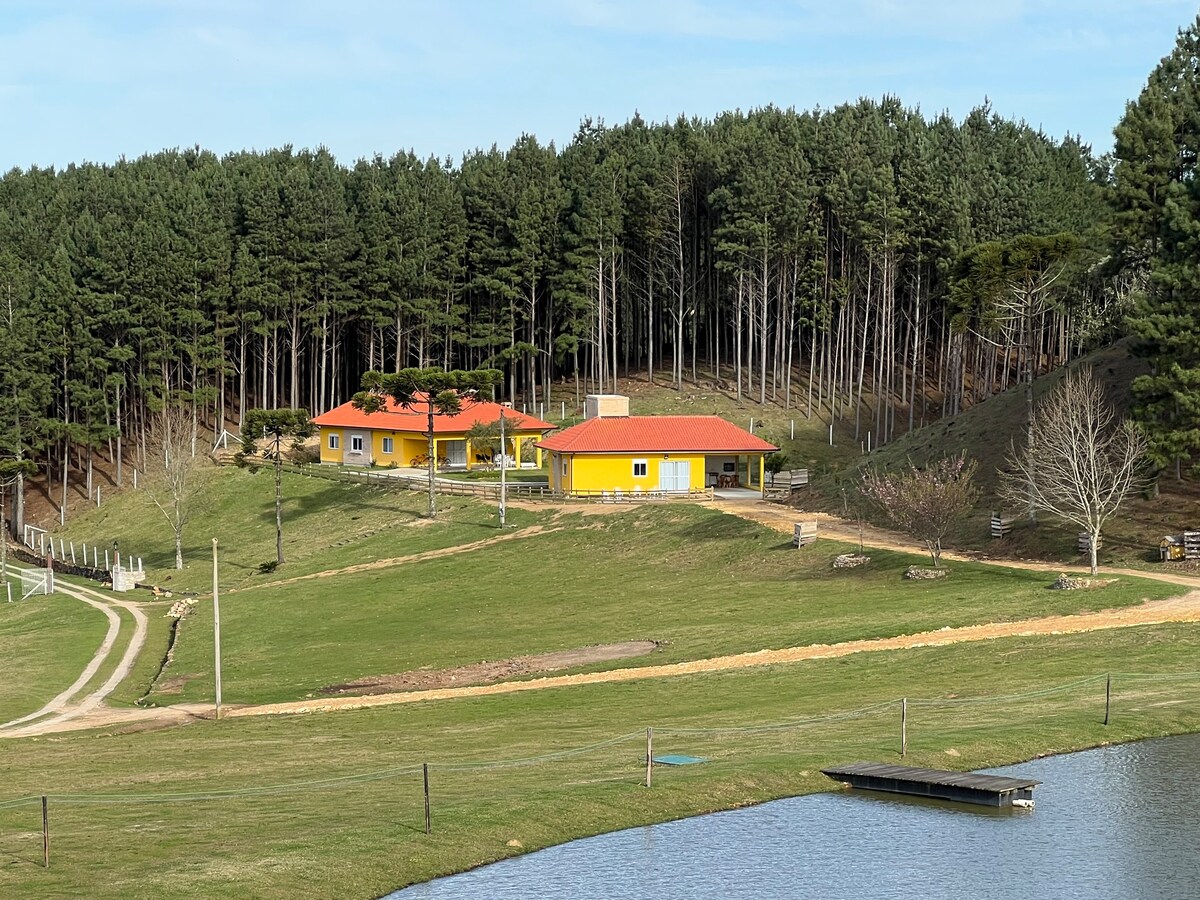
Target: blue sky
(101,79)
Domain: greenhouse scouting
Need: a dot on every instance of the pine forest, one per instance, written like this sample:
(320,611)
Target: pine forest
(868,265)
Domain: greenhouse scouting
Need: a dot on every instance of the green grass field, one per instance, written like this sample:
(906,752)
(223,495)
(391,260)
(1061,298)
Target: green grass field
(701,582)
(327,525)
(46,642)
(363,837)
(133,809)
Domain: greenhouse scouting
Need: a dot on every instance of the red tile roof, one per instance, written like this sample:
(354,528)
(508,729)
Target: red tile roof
(396,418)
(656,434)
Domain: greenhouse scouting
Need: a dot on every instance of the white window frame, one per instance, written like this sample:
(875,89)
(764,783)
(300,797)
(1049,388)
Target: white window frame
(389,445)
(356,443)
(335,441)
(645,464)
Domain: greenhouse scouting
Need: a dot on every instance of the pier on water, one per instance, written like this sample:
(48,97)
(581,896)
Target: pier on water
(964,787)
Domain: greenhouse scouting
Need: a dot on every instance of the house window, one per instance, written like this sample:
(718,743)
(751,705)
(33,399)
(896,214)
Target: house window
(356,443)
(334,442)
(388,445)
(639,468)
(564,467)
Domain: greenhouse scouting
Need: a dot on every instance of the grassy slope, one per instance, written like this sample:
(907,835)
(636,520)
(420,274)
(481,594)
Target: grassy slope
(704,582)
(986,432)
(359,841)
(326,525)
(46,642)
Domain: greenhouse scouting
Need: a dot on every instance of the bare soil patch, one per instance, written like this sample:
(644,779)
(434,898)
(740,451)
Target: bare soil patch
(487,672)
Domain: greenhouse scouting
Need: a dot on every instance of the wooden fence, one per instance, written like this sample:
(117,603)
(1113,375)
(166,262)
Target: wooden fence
(489,490)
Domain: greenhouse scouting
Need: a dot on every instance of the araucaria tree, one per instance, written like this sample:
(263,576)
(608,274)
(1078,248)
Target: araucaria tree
(925,503)
(170,461)
(1081,463)
(434,392)
(276,425)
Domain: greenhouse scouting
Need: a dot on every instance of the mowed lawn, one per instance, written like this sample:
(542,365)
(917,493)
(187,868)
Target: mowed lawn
(701,582)
(363,837)
(326,524)
(45,643)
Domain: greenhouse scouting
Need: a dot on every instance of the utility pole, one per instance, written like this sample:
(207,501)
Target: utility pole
(503,455)
(217,628)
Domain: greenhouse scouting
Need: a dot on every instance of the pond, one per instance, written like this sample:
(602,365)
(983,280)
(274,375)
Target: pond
(1115,822)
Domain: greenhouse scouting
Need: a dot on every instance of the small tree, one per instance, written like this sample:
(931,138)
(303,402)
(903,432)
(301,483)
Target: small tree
(484,438)
(275,425)
(434,391)
(170,460)
(774,463)
(925,503)
(1080,463)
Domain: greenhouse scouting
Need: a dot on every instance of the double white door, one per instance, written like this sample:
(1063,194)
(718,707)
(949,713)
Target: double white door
(675,475)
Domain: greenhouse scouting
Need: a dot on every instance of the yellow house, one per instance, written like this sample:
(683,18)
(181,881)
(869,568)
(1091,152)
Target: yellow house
(612,451)
(397,436)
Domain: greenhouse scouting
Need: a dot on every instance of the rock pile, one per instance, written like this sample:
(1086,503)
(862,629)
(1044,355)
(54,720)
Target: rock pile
(181,607)
(1065,582)
(916,573)
(850,560)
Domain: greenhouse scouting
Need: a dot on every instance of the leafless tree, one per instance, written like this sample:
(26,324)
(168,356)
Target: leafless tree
(925,503)
(1080,462)
(170,463)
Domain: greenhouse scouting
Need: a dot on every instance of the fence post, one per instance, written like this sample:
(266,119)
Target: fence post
(904,727)
(649,756)
(1107,696)
(793,421)
(45,832)
(425,773)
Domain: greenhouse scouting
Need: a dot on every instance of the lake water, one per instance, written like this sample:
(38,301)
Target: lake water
(1116,822)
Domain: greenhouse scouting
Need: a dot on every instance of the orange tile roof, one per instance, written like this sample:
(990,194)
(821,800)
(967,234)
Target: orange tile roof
(656,434)
(396,418)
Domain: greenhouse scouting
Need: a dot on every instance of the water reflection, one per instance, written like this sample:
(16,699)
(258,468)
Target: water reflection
(1117,822)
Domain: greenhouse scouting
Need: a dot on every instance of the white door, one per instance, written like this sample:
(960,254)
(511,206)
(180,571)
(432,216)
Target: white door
(675,475)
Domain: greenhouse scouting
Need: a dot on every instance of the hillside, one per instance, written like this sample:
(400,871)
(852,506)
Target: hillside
(986,433)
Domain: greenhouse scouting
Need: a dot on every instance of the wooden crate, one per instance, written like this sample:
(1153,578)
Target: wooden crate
(1001,525)
(1084,543)
(803,534)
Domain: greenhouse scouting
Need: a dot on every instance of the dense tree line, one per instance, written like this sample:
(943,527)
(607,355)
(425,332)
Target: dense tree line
(803,258)
(1156,247)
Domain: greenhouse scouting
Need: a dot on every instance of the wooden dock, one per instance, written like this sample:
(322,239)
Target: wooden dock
(964,787)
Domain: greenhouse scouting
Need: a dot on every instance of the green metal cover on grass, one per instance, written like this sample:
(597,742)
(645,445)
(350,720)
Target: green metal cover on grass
(675,759)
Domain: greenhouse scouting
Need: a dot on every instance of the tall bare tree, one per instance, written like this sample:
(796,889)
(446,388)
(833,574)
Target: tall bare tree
(170,461)
(1080,462)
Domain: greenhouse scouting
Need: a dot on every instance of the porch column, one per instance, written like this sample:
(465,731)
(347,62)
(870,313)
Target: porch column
(436,453)
(470,455)
(516,442)
(537,449)
(762,470)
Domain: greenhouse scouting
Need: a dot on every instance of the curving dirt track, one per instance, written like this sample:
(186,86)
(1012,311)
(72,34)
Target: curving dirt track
(70,705)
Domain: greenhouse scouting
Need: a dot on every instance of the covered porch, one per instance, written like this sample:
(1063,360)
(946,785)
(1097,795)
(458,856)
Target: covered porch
(734,472)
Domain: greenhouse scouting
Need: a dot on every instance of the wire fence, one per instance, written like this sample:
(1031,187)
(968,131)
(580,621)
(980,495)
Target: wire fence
(456,790)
